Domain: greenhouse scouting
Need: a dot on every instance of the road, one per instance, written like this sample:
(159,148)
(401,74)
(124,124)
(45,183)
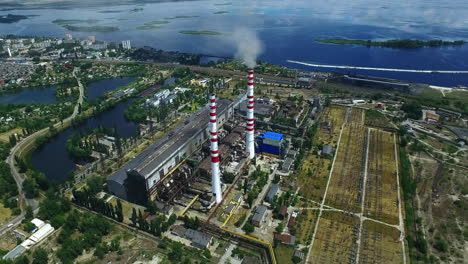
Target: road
(24,144)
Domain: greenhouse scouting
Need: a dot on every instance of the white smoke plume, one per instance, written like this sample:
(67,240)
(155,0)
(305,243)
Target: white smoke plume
(249,46)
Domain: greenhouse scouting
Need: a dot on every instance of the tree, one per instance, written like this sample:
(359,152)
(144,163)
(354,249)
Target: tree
(12,140)
(296,259)
(279,228)
(40,256)
(119,211)
(29,213)
(248,227)
(134,217)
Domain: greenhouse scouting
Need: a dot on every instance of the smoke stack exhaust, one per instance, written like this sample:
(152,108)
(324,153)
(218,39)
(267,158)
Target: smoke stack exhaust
(215,174)
(250,115)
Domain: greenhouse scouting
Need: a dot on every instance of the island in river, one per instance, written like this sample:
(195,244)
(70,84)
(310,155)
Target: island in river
(394,43)
(200,32)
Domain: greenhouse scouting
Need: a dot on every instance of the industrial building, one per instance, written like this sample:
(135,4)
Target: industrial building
(259,215)
(138,180)
(43,230)
(270,143)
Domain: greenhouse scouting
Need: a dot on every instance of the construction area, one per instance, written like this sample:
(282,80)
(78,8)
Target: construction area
(352,212)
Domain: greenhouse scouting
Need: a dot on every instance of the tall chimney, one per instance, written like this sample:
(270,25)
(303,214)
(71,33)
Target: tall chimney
(215,175)
(250,145)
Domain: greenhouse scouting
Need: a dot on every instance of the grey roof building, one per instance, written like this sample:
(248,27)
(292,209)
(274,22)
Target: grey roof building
(259,215)
(272,192)
(137,180)
(327,150)
(199,239)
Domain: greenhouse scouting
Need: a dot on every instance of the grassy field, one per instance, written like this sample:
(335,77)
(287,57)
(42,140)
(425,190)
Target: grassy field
(330,125)
(380,244)
(5,137)
(344,190)
(381,189)
(305,224)
(284,254)
(335,239)
(5,214)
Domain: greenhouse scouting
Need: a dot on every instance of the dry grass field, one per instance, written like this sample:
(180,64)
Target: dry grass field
(305,224)
(381,201)
(335,241)
(345,188)
(380,244)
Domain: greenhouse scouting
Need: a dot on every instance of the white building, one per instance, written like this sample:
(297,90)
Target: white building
(126,44)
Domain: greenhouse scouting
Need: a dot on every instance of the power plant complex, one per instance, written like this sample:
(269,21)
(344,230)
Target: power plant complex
(178,165)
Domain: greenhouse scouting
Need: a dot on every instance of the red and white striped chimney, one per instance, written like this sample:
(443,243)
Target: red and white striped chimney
(215,174)
(250,145)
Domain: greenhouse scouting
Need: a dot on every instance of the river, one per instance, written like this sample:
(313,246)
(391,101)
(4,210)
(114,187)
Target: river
(52,158)
(287,30)
(41,95)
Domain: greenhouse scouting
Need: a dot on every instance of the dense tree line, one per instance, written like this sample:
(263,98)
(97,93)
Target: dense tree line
(261,179)
(156,226)
(8,188)
(81,144)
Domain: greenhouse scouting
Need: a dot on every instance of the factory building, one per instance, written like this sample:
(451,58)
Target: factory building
(270,144)
(138,180)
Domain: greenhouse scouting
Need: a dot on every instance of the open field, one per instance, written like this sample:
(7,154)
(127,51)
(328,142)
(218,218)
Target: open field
(381,200)
(5,213)
(330,125)
(380,244)
(336,239)
(345,188)
(315,170)
(5,137)
(305,223)
(284,253)
(355,116)
(313,176)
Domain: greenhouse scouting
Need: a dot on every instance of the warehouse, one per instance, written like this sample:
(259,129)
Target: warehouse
(139,177)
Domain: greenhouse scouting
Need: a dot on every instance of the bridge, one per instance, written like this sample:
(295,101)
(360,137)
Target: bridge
(374,69)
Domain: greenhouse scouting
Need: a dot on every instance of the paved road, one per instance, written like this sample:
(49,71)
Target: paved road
(16,151)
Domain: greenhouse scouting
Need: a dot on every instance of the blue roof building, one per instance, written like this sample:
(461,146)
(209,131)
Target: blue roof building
(270,143)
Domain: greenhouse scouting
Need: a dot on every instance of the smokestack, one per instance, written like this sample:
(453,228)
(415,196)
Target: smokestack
(250,115)
(9,52)
(215,174)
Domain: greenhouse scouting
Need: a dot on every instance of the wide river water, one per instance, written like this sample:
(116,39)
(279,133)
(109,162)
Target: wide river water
(287,30)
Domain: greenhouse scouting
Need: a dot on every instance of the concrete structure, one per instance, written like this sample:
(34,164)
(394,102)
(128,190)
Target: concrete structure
(259,215)
(272,192)
(126,44)
(327,150)
(199,239)
(430,115)
(250,144)
(215,173)
(137,180)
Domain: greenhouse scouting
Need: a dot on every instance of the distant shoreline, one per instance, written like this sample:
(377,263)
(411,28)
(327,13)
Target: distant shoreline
(394,43)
